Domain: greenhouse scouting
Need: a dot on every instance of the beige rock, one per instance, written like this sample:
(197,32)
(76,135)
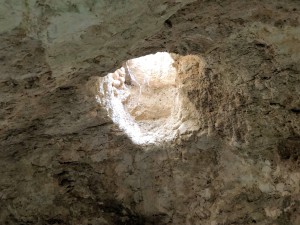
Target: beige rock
(64,161)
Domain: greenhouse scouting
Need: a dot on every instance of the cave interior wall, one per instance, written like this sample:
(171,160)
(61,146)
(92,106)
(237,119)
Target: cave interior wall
(63,161)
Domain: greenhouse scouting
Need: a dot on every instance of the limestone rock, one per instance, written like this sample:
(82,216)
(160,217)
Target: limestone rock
(63,160)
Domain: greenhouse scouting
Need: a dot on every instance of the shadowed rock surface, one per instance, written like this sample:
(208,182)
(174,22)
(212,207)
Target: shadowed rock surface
(63,161)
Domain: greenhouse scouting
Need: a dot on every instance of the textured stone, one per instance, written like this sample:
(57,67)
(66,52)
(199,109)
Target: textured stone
(62,159)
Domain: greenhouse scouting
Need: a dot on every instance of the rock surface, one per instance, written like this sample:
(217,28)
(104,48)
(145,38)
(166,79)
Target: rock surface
(62,159)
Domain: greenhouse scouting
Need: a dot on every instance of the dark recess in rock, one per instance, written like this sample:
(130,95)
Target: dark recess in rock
(290,148)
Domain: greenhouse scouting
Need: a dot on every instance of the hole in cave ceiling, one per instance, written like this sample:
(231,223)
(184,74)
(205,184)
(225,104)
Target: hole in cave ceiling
(143,98)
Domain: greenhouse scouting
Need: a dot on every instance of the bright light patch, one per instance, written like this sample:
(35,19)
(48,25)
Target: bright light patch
(141,98)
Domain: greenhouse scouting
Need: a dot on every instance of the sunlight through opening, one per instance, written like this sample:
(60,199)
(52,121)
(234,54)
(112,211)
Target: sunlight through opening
(142,98)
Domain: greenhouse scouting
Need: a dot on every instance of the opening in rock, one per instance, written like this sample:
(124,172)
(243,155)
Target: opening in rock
(144,98)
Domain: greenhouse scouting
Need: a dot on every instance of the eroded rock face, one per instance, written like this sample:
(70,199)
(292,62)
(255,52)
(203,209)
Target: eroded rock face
(62,159)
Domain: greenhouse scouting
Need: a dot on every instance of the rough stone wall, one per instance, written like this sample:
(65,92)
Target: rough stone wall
(64,162)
